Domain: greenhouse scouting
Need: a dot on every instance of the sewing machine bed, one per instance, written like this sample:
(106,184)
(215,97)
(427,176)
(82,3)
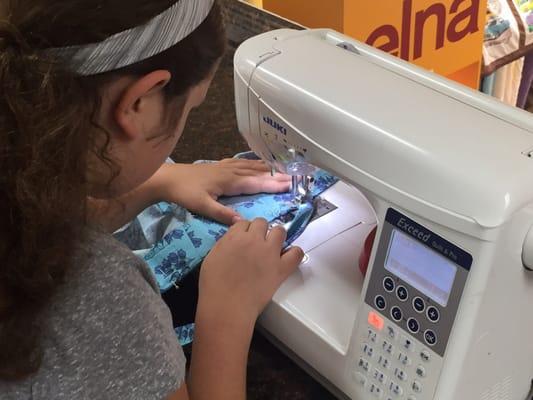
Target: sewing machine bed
(326,288)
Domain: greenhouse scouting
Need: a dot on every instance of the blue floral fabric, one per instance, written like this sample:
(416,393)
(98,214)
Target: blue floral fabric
(173,241)
(185,334)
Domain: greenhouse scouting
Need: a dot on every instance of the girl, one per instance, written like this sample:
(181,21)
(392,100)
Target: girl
(94,96)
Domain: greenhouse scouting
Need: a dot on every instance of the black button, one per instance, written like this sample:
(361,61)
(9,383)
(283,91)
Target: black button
(402,293)
(419,305)
(433,314)
(388,284)
(430,337)
(396,314)
(380,302)
(412,325)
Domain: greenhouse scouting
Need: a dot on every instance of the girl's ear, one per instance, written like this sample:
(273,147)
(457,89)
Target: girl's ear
(132,108)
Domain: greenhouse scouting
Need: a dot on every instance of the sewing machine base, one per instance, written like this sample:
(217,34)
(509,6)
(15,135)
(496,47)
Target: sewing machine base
(314,311)
(303,364)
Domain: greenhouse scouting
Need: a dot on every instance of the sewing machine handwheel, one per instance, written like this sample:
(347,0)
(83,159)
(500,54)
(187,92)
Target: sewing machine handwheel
(364,258)
(527,251)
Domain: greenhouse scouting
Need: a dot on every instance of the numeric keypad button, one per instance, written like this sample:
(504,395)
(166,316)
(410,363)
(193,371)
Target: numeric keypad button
(384,362)
(400,374)
(372,336)
(363,364)
(417,387)
(387,347)
(407,344)
(420,371)
(368,350)
(376,391)
(425,356)
(379,376)
(392,332)
(396,389)
(404,359)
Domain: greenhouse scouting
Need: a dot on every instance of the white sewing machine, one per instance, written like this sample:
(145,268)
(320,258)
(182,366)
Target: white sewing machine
(445,310)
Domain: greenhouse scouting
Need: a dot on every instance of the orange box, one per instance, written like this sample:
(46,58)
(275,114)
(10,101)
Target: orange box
(445,36)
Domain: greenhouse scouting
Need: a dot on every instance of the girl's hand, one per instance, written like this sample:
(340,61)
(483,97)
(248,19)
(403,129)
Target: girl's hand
(240,275)
(198,186)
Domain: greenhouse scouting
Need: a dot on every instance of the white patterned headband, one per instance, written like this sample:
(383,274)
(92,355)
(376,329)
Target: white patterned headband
(135,44)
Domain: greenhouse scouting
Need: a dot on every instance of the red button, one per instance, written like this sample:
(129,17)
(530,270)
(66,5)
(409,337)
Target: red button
(375,320)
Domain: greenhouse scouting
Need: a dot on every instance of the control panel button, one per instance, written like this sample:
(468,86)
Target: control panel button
(402,293)
(433,314)
(412,397)
(372,336)
(396,389)
(380,303)
(396,314)
(359,378)
(430,337)
(424,355)
(392,332)
(400,374)
(384,362)
(413,325)
(379,376)
(407,344)
(387,347)
(419,304)
(420,371)
(376,391)
(417,387)
(363,364)
(404,359)
(375,320)
(388,284)
(368,350)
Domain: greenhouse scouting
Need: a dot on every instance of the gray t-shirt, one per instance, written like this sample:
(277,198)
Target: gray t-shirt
(107,334)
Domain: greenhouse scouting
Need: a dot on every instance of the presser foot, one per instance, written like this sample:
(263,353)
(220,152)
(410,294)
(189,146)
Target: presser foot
(301,188)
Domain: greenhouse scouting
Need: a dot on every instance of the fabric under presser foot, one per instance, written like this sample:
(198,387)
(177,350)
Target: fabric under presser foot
(295,221)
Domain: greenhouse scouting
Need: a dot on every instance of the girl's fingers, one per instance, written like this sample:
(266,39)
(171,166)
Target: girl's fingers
(275,186)
(277,236)
(259,227)
(265,175)
(290,260)
(257,184)
(257,165)
(214,210)
(240,225)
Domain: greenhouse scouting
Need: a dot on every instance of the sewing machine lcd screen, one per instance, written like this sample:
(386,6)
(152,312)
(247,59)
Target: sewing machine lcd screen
(421,267)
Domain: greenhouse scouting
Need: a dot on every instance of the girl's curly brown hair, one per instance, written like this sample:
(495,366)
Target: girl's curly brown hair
(47,132)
